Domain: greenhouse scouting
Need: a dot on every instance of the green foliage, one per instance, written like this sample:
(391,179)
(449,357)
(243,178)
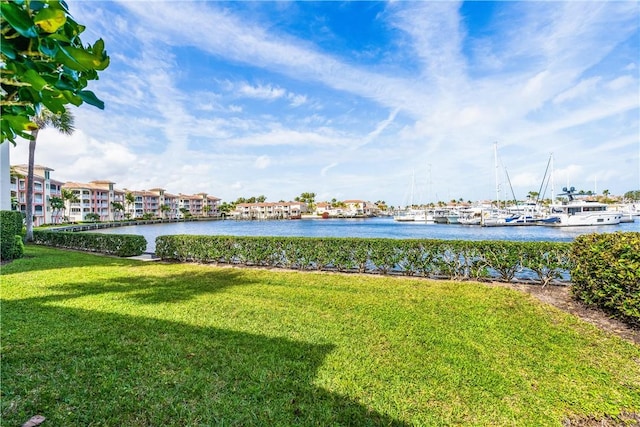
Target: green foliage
(546,261)
(44,64)
(92,217)
(111,244)
(18,247)
(11,245)
(606,273)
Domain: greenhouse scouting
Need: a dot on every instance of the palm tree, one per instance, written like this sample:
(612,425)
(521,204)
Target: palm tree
(63,123)
(118,207)
(71,197)
(57,204)
(130,199)
(164,209)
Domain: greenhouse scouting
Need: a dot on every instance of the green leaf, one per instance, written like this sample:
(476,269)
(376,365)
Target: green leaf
(80,59)
(69,61)
(58,37)
(98,47)
(19,123)
(18,19)
(34,79)
(50,19)
(54,101)
(72,98)
(7,49)
(37,5)
(90,98)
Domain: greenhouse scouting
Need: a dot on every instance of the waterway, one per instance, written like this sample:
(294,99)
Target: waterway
(369,227)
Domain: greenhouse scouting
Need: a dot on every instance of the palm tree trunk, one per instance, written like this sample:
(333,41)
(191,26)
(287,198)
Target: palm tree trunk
(29,212)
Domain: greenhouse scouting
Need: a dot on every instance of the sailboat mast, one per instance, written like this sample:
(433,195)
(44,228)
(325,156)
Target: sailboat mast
(553,183)
(495,155)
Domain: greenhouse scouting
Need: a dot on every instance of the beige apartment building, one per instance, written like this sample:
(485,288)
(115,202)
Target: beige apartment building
(198,205)
(270,210)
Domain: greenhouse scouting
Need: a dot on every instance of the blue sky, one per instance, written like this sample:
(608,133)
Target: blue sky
(357,100)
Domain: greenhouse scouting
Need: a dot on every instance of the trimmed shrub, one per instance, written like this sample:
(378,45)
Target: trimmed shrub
(456,259)
(10,235)
(18,247)
(606,273)
(123,245)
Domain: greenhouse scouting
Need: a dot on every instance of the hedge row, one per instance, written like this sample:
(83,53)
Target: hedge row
(11,244)
(606,273)
(455,259)
(123,245)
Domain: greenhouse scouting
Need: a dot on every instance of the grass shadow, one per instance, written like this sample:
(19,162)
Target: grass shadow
(41,258)
(158,289)
(78,367)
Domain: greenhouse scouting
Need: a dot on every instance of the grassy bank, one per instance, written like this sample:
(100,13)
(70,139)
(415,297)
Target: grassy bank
(90,340)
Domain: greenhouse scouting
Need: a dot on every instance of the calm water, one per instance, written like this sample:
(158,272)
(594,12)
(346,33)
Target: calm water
(370,227)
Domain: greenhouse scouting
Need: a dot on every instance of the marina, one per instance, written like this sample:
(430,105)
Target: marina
(380,227)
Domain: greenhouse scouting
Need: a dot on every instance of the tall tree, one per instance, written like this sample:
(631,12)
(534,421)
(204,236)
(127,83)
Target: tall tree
(129,199)
(62,122)
(119,207)
(44,66)
(164,209)
(71,197)
(57,204)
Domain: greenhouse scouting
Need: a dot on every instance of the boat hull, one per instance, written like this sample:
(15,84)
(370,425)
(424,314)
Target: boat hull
(586,219)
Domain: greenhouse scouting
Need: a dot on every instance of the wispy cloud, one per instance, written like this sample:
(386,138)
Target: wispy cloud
(226,89)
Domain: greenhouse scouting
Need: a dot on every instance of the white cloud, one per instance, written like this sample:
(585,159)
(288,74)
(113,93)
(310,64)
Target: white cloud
(262,162)
(296,100)
(543,77)
(324,170)
(267,92)
(623,82)
(583,88)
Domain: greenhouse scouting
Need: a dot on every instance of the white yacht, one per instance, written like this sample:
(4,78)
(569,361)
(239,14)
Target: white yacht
(581,212)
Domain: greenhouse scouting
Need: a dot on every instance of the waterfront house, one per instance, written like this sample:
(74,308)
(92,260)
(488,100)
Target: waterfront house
(360,208)
(270,210)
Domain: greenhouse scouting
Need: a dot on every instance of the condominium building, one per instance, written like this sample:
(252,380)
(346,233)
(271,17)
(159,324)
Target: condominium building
(168,203)
(140,203)
(199,205)
(44,188)
(270,210)
(95,197)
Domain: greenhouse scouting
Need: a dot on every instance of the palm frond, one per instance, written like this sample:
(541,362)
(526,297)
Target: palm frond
(63,122)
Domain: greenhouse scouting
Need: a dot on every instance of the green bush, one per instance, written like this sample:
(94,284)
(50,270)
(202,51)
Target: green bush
(606,273)
(10,235)
(506,261)
(124,245)
(18,247)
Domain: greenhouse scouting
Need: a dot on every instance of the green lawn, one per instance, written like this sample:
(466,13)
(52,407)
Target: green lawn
(91,340)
